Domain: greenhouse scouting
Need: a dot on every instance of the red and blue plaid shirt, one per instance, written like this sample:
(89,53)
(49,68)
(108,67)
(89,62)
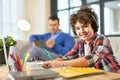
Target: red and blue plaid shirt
(101,56)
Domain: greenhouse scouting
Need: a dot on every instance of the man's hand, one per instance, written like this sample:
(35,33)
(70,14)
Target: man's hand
(33,44)
(50,43)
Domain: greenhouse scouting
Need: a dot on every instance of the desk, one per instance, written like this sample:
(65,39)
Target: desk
(3,73)
(104,76)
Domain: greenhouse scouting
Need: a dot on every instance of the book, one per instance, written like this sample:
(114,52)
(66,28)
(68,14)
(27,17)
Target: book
(33,75)
(69,72)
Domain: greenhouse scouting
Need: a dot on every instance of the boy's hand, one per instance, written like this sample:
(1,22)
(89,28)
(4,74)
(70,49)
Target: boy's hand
(47,64)
(58,59)
(52,64)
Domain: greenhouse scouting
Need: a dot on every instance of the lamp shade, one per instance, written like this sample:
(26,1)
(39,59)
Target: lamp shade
(119,4)
(23,25)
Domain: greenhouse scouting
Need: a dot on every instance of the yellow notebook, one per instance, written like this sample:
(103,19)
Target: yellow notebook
(69,72)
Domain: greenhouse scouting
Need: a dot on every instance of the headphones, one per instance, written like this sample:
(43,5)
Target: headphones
(95,21)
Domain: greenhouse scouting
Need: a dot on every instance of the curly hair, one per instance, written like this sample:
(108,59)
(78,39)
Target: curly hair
(85,15)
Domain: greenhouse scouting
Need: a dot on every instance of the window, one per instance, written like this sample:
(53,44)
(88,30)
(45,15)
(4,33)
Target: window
(92,1)
(64,9)
(112,18)
(108,13)
(96,8)
(10,12)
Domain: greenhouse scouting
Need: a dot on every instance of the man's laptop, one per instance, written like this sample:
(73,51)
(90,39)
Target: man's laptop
(41,44)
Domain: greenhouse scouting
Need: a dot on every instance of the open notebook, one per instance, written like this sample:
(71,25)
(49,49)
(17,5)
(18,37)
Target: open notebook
(69,72)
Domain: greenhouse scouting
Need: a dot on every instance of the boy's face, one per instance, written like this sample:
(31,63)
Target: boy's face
(84,31)
(53,26)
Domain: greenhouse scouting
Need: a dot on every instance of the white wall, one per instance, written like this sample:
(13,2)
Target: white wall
(37,13)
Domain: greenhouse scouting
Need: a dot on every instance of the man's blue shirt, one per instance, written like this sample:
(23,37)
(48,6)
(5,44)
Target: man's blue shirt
(63,42)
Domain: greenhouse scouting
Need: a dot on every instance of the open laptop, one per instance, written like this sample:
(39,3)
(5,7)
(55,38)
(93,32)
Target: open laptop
(5,54)
(41,44)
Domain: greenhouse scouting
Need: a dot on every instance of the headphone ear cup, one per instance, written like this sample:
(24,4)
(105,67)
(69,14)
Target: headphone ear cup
(96,23)
(74,32)
(95,26)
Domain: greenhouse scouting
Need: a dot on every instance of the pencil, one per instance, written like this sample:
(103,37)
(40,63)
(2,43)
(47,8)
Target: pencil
(47,54)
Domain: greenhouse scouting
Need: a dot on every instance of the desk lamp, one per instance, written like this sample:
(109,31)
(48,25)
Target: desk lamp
(23,25)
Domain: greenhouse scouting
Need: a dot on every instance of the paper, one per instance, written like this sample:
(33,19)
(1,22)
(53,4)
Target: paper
(34,65)
(69,72)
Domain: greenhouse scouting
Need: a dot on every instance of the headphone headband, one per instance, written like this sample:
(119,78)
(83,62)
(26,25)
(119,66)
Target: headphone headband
(93,18)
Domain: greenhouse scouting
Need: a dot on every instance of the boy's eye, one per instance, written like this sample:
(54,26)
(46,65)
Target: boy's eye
(77,28)
(85,26)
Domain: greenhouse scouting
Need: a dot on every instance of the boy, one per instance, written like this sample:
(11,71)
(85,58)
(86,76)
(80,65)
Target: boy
(91,50)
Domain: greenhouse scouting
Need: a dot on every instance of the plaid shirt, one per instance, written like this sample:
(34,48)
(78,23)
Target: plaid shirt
(101,56)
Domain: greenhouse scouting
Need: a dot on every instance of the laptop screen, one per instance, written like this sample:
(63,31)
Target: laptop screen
(5,53)
(41,44)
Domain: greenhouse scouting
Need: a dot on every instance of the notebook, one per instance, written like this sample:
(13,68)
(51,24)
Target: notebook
(41,44)
(69,72)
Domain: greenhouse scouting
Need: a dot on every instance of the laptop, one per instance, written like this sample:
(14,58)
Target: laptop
(41,44)
(5,55)
(42,74)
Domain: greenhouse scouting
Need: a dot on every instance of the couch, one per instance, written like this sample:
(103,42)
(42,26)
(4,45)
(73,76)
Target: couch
(23,46)
(115,43)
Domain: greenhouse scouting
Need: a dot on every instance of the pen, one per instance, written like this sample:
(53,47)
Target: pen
(48,55)
(12,56)
(23,60)
(18,62)
(27,57)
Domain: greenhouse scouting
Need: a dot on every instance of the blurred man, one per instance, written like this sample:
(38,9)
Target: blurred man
(57,41)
